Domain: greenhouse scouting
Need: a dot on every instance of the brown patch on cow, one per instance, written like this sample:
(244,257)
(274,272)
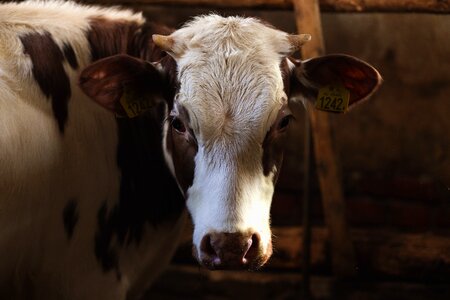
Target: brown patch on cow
(142,45)
(272,155)
(70,56)
(108,38)
(49,73)
(274,144)
(172,86)
(182,147)
(286,75)
(112,37)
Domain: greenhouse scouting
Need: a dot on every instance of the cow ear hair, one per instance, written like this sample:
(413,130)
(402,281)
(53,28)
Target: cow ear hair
(357,76)
(106,80)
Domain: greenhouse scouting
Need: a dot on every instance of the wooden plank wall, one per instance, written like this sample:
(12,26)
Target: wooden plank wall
(428,6)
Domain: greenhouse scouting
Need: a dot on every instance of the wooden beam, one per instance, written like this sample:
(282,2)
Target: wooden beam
(307,15)
(421,6)
(306,213)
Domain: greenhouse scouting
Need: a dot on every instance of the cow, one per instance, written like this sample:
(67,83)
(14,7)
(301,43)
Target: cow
(114,129)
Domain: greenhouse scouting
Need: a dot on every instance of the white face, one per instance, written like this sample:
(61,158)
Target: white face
(227,117)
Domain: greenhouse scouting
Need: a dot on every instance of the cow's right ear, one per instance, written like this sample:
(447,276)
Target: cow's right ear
(108,80)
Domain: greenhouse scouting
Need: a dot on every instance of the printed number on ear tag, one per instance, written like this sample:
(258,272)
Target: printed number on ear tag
(134,104)
(333,98)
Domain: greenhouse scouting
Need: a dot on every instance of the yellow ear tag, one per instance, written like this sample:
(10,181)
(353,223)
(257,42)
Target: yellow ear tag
(133,103)
(333,98)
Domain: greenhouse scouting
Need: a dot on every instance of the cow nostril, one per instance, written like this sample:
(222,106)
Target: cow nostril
(256,239)
(253,248)
(207,248)
(247,247)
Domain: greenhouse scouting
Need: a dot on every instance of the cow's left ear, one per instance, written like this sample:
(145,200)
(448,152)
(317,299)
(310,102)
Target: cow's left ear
(358,77)
(122,84)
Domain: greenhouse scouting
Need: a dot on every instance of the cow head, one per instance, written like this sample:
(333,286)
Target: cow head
(226,125)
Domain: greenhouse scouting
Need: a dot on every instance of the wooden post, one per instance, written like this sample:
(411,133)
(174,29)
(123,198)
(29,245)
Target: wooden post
(342,252)
(306,215)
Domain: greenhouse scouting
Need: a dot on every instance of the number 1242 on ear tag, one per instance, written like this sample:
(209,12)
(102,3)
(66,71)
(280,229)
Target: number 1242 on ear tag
(333,98)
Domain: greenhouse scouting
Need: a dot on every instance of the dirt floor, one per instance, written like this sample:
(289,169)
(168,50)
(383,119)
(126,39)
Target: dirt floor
(192,282)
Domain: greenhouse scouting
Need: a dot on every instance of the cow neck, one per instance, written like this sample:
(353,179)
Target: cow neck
(148,192)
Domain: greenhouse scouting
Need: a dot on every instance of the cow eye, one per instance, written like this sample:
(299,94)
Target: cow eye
(284,123)
(178,125)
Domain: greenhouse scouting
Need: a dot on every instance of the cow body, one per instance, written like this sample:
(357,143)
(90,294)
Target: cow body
(92,198)
(67,165)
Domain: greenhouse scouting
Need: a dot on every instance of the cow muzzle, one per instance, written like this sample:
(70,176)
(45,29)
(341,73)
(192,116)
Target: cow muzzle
(237,250)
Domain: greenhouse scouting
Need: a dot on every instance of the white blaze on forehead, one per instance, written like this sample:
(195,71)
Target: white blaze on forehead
(232,87)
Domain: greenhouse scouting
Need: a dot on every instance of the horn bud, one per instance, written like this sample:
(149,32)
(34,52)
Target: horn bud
(164,42)
(297,41)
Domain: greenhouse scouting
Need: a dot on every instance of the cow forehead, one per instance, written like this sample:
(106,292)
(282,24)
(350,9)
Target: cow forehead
(212,33)
(230,78)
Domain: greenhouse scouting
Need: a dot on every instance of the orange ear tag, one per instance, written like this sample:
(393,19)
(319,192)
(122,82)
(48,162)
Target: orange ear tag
(134,104)
(333,98)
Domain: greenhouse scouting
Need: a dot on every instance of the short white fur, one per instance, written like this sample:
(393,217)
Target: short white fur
(233,94)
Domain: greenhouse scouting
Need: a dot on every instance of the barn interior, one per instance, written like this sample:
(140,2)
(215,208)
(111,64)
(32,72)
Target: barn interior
(390,157)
